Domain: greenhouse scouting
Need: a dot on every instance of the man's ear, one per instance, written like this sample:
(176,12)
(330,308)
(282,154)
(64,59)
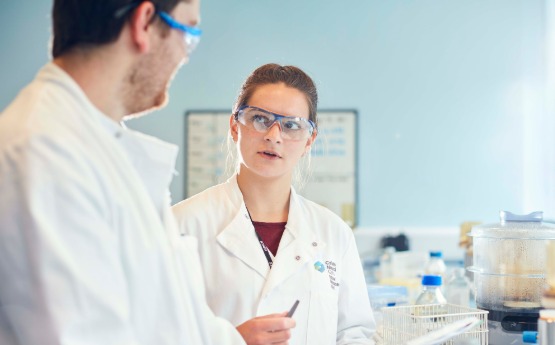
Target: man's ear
(233,128)
(141,26)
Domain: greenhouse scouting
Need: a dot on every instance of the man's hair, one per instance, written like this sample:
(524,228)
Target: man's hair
(89,23)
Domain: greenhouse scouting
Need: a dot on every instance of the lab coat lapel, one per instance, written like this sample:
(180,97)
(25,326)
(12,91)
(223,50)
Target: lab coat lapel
(298,247)
(240,240)
(154,161)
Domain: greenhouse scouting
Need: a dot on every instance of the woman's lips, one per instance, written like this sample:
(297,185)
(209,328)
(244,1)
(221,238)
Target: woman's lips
(269,154)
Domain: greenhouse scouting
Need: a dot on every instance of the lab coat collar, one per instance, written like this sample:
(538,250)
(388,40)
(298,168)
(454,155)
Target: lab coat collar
(238,237)
(298,247)
(154,161)
(296,223)
(52,73)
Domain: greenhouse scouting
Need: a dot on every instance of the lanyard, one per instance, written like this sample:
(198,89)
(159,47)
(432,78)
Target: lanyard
(265,249)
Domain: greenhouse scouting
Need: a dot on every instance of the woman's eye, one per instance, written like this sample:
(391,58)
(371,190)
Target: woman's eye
(292,125)
(259,118)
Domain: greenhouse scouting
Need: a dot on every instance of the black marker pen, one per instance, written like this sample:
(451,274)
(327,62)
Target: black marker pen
(293,308)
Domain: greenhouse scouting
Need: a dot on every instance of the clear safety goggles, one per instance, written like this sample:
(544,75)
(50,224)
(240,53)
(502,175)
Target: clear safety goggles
(292,127)
(191,34)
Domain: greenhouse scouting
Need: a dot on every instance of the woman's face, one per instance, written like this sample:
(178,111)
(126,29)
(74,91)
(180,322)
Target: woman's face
(269,154)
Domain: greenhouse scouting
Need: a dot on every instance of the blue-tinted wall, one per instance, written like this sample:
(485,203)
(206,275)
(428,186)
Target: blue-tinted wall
(443,89)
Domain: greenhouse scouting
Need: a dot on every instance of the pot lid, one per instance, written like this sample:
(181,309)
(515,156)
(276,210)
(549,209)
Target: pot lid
(514,226)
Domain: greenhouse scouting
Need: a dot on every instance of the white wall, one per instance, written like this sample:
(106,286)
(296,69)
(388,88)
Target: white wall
(448,92)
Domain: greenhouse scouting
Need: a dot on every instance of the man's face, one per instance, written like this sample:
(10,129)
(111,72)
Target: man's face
(152,76)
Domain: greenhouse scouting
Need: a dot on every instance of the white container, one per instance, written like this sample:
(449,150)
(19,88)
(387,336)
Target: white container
(435,265)
(546,327)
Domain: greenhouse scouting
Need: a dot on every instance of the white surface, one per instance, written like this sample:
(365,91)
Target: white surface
(423,239)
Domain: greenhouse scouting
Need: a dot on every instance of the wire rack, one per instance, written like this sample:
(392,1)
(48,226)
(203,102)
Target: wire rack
(404,323)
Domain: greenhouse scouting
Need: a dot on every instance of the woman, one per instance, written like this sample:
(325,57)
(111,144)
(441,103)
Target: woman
(262,245)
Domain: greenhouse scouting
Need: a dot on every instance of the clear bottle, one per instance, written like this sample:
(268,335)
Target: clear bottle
(430,302)
(431,292)
(385,263)
(458,289)
(435,265)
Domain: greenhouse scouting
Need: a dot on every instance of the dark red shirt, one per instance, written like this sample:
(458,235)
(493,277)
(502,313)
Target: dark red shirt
(270,234)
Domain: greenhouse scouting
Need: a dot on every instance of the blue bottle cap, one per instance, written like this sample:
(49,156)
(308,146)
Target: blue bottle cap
(431,280)
(436,254)
(530,337)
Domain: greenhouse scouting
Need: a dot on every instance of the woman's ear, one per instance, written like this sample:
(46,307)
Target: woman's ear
(233,128)
(309,142)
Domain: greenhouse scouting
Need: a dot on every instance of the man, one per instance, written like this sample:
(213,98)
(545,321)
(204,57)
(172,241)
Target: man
(89,252)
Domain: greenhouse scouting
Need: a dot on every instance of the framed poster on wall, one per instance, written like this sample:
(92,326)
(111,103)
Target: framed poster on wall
(333,179)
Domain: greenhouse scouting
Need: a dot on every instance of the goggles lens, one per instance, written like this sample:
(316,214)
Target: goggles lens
(191,42)
(293,128)
(191,34)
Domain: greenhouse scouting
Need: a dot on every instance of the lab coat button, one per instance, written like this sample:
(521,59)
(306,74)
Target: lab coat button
(297,258)
(314,244)
(118,135)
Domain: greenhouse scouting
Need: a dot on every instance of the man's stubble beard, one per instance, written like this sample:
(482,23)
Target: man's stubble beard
(147,85)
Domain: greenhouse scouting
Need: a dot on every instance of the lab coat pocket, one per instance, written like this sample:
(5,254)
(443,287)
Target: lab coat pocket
(322,318)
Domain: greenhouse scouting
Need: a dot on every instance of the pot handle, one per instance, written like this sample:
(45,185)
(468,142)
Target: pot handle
(507,216)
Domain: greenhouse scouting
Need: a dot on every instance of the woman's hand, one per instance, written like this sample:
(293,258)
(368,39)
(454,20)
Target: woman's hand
(271,329)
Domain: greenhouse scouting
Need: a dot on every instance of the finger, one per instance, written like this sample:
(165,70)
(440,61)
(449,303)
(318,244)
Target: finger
(278,337)
(276,324)
(272,315)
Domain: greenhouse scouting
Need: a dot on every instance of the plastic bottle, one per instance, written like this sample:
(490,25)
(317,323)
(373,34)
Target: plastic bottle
(458,290)
(431,300)
(435,265)
(431,293)
(385,263)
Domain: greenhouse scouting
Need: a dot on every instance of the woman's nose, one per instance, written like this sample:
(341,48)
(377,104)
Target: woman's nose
(274,132)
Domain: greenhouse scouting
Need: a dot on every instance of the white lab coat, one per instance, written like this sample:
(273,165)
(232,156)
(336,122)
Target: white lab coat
(86,255)
(334,306)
